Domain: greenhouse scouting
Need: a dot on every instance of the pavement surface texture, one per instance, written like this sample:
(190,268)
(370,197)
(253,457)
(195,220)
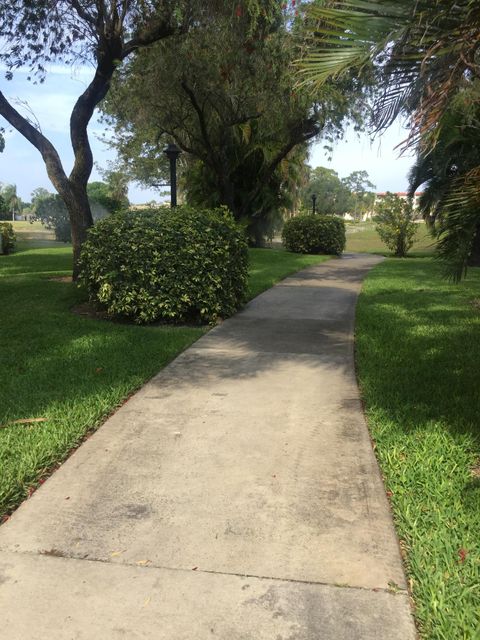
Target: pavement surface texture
(235,496)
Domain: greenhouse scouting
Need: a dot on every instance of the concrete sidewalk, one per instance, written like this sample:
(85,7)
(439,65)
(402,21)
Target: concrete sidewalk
(236,496)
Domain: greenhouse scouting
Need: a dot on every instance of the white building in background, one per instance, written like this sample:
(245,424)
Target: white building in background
(401,194)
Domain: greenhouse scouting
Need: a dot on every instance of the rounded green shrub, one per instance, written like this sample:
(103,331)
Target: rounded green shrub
(176,265)
(7,238)
(314,234)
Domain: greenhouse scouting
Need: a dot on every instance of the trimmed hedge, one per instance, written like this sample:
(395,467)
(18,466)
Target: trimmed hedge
(314,234)
(176,265)
(8,239)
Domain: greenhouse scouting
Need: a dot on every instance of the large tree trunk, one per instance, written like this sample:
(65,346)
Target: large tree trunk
(78,206)
(104,24)
(72,189)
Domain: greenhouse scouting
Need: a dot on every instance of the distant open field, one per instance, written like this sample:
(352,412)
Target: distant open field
(34,234)
(362,237)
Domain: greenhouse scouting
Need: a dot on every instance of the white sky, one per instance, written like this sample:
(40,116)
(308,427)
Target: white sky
(52,102)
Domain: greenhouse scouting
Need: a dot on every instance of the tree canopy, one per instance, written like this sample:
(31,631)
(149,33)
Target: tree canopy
(11,200)
(332,196)
(362,195)
(101,195)
(225,94)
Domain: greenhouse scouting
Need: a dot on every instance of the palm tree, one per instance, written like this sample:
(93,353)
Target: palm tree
(422,56)
(449,175)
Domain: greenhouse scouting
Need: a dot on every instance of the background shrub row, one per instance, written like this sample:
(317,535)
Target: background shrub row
(7,239)
(314,234)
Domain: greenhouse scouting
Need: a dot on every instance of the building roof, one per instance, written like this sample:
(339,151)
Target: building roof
(398,193)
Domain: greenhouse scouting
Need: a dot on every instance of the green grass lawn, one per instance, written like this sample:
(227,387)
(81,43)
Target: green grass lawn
(268,266)
(73,370)
(418,355)
(362,237)
(33,235)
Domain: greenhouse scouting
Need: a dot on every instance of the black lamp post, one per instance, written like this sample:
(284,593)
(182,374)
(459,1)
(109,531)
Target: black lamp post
(314,202)
(172,152)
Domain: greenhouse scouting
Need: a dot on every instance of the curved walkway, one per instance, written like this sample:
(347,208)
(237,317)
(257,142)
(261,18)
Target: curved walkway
(236,496)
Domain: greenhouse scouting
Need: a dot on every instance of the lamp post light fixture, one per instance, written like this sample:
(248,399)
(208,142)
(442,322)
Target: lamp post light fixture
(172,152)
(314,202)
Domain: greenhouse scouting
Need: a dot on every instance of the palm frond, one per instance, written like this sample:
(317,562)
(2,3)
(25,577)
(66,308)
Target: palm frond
(459,224)
(346,36)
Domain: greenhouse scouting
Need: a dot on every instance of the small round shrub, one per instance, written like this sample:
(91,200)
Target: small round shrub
(314,234)
(176,265)
(7,239)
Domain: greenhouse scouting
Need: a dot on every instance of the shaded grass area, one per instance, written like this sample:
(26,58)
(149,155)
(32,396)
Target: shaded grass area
(38,261)
(362,237)
(74,370)
(418,354)
(268,266)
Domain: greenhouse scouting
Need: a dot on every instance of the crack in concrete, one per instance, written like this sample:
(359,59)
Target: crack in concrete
(57,553)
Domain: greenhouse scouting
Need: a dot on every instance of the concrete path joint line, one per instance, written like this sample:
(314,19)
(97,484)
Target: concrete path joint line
(198,570)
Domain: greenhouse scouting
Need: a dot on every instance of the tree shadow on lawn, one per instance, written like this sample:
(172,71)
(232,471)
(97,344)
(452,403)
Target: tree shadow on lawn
(52,358)
(419,348)
(56,362)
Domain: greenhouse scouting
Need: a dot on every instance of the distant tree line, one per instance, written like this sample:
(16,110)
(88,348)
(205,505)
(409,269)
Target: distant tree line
(334,195)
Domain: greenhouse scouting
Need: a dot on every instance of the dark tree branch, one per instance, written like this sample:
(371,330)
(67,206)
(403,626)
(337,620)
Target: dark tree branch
(201,120)
(125,8)
(157,32)
(243,119)
(301,134)
(82,13)
(49,154)
(81,116)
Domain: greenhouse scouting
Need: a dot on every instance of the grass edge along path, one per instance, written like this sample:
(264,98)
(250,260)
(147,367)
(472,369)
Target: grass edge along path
(68,373)
(417,353)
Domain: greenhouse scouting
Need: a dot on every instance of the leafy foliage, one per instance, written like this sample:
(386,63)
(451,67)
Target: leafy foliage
(395,223)
(360,187)
(8,239)
(12,204)
(50,209)
(422,52)
(314,234)
(225,93)
(332,195)
(52,212)
(449,173)
(4,213)
(101,195)
(176,265)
